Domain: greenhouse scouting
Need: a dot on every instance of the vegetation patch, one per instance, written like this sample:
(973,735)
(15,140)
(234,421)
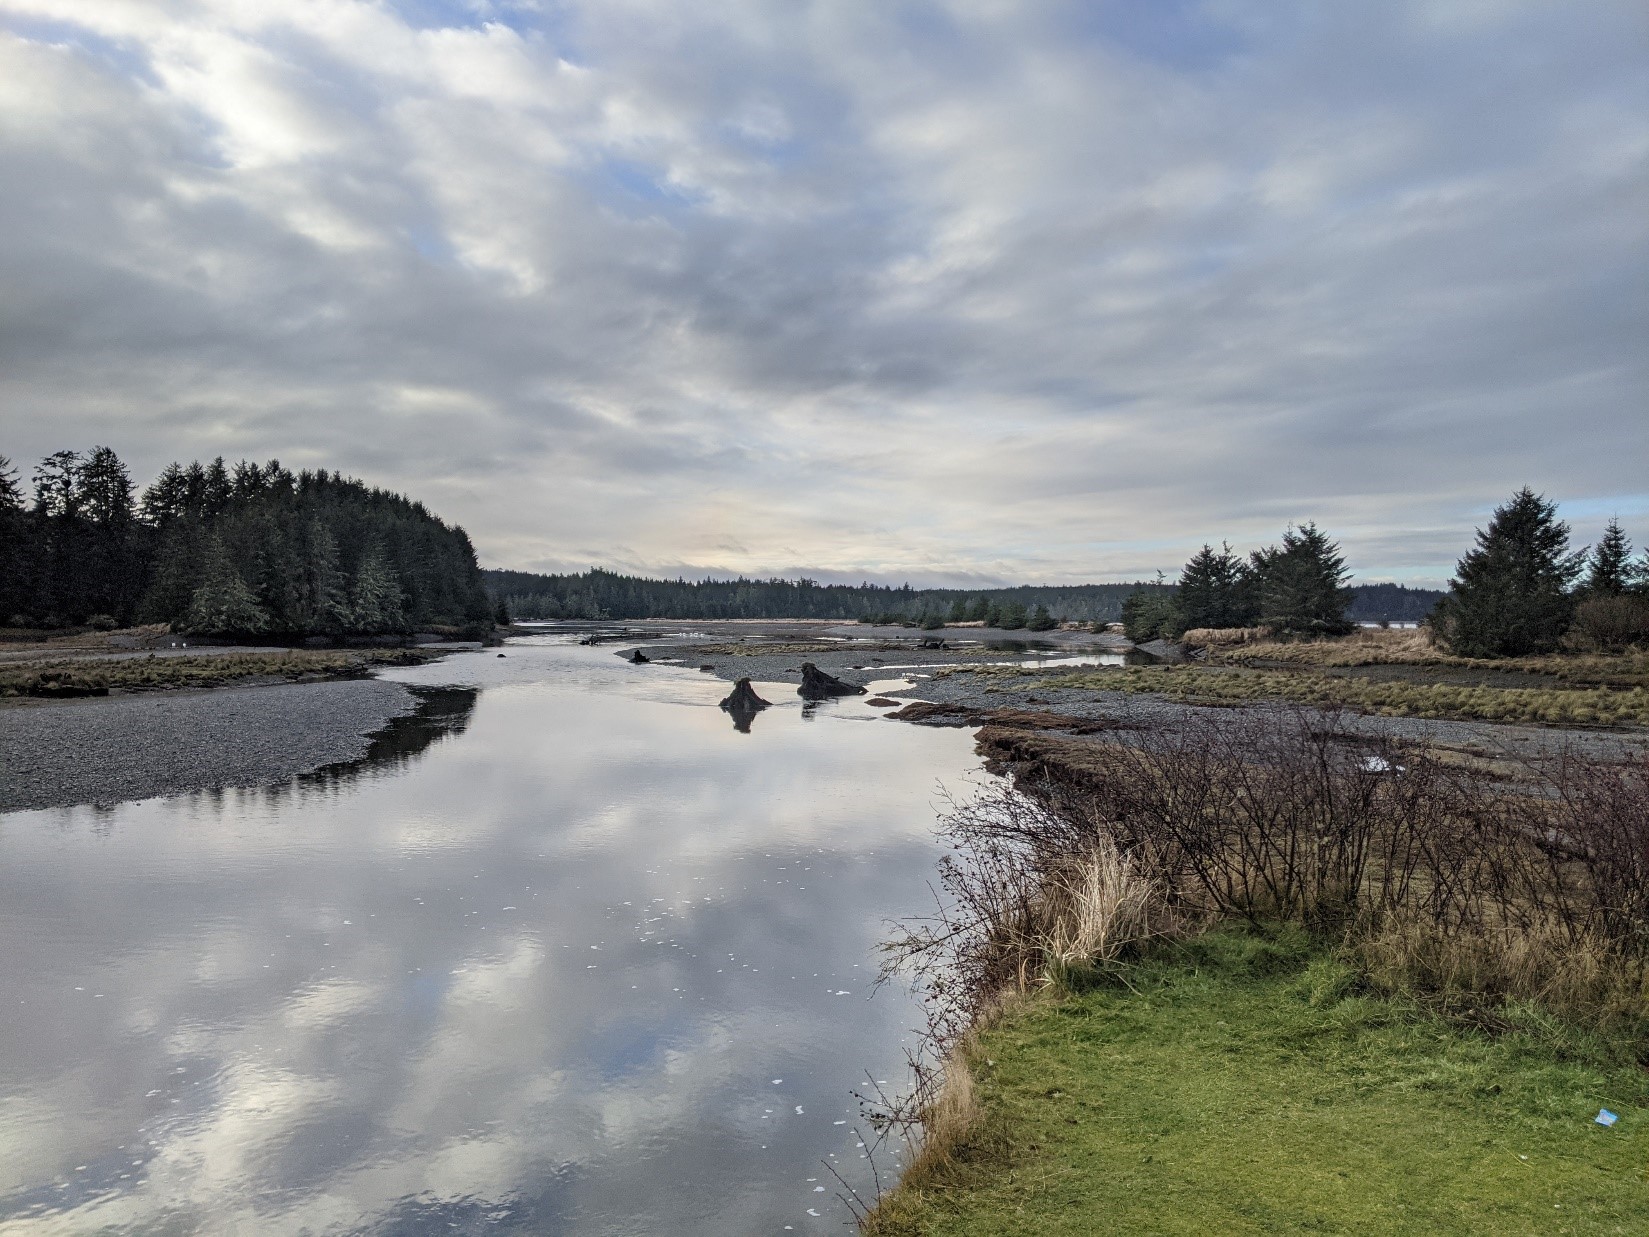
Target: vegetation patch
(1564,706)
(1240,1083)
(86,677)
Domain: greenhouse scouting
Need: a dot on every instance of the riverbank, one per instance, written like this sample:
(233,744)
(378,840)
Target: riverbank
(1461,710)
(1239,1084)
(61,753)
(103,724)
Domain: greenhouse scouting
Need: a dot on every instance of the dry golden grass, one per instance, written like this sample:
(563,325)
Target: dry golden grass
(1363,647)
(1224,637)
(1415,647)
(1535,961)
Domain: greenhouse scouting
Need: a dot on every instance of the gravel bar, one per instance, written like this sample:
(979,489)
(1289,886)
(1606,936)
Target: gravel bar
(144,745)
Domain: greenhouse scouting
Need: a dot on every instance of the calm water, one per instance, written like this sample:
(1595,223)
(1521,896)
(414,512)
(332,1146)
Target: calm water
(568,955)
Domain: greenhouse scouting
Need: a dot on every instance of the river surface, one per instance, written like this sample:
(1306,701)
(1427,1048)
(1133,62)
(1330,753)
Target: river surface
(566,953)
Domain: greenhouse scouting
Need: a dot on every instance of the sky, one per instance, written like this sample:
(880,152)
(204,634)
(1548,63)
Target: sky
(952,291)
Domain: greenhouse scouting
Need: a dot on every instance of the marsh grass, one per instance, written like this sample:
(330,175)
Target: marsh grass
(161,673)
(1557,705)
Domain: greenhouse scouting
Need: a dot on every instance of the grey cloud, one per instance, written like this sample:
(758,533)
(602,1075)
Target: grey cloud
(874,289)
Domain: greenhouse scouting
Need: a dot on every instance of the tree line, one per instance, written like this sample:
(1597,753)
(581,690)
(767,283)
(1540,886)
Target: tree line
(599,594)
(227,551)
(1520,590)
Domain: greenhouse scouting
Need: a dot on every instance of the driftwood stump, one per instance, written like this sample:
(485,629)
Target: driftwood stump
(817,685)
(743,705)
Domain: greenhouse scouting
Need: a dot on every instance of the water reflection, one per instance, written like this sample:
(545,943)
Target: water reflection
(589,963)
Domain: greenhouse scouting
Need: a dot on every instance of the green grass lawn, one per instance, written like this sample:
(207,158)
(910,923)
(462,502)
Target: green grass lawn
(1244,1087)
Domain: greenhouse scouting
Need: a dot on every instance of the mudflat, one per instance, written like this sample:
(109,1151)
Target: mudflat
(58,753)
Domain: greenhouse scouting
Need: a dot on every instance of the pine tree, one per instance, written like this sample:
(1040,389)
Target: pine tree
(1299,586)
(376,601)
(1611,563)
(1510,595)
(1150,613)
(56,483)
(11,493)
(103,489)
(1041,620)
(223,605)
(1213,591)
(323,602)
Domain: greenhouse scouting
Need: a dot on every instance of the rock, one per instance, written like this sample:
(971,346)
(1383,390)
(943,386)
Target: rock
(743,705)
(817,685)
(882,702)
(638,658)
(707,669)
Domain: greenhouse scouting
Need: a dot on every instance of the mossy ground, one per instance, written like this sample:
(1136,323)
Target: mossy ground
(1243,1085)
(216,670)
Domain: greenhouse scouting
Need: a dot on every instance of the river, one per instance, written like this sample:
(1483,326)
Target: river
(566,953)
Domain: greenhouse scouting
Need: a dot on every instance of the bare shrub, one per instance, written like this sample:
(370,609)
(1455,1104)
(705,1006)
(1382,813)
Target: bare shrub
(1611,624)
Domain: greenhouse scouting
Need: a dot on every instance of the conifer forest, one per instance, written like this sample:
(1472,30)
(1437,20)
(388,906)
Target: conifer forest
(214,550)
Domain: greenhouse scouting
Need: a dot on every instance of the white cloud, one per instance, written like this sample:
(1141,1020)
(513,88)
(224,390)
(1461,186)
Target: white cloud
(903,290)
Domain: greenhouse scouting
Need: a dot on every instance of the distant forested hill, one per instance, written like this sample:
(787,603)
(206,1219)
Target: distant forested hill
(249,550)
(598,594)
(1392,603)
(605,594)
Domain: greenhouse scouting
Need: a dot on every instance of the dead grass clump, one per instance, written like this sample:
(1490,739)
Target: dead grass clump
(1224,637)
(1584,978)
(1367,646)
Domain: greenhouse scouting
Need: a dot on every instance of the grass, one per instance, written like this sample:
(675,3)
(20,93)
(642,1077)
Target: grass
(1242,1084)
(1414,647)
(1561,706)
(161,673)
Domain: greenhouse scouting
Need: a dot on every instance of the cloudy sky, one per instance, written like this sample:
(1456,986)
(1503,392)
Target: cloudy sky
(940,290)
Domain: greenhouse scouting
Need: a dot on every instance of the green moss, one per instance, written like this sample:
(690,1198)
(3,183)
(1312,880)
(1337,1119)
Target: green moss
(1244,1086)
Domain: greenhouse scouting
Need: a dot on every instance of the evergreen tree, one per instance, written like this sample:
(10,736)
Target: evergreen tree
(376,601)
(103,489)
(56,484)
(11,493)
(1041,620)
(1511,592)
(1214,591)
(323,601)
(223,605)
(1611,563)
(1150,613)
(1299,586)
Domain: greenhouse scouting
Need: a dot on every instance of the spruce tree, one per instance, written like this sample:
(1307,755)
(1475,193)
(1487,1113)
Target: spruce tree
(323,601)
(1213,591)
(1510,595)
(1041,620)
(1611,563)
(1299,587)
(376,601)
(223,605)
(11,493)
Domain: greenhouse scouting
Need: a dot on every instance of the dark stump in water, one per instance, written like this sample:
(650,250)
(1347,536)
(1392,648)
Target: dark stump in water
(743,705)
(639,658)
(817,685)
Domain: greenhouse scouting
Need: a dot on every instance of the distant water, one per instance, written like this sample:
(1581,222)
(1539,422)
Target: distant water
(565,954)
